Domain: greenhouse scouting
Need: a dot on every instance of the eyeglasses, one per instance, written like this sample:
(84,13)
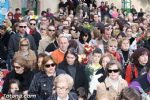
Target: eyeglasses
(32,24)
(51,30)
(9,15)
(114,70)
(24,44)
(61,88)
(22,26)
(17,67)
(50,65)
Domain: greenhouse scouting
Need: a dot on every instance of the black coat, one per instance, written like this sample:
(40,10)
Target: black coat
(4,45)
(37,37)
(42,85)
(24,79)
(52,46)
(80,77)
(13,45)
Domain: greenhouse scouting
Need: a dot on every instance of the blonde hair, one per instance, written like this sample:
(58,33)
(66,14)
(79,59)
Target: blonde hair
(122,40)
(24,40)
(112,41)
(64,78)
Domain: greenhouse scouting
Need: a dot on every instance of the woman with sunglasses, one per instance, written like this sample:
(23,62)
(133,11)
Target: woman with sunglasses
(72,67)
(25,52)
(42,83)
(113,83)
(20,72)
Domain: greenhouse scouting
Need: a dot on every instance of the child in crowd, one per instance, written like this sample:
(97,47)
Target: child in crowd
(14,86)
(94,70)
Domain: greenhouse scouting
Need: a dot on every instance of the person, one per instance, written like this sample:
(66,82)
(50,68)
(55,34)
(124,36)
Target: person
(142,82)
(124,51)
(114,82)
(72,67)
(93,69)
(42,83)
(14,86)
(63,84)
(27,53)
(34,32)
(20,72)
(13,44)
(112,49)
(4,38)
(139,60)
(39,60)
(84,38)
(58,54)
(129,93)
(45,39)
(106,35)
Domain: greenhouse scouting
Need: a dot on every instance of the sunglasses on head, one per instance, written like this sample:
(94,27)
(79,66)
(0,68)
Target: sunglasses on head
(22,26)
(114,70)
(50,65)
(32,24)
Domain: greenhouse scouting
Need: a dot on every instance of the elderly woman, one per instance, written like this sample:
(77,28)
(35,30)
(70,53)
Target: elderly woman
(139,59)
(63,83)
(113,83)
(20,72)
(25,52)
(42,83)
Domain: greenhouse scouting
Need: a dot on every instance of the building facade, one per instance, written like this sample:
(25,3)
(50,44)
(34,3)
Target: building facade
(40,5)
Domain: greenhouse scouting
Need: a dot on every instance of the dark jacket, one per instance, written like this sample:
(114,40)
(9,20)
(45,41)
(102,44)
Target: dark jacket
(42,85)
(52,46)
(13,45)
(72,96)
(24,79)
(37,37)
(80,77)
(4,45)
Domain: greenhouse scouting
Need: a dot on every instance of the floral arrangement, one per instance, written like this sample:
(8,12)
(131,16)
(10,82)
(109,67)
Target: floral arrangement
(88,49)
(84,58)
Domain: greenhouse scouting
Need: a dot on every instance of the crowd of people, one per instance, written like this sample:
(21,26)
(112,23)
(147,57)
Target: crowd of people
(82,52)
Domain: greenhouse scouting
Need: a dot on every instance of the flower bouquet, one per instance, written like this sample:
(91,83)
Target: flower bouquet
(88,49)
(83,58)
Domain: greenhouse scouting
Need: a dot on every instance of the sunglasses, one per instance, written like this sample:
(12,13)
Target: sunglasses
(42,29)
(32,24)
(24,44)
(51,30)
(86,35)
(17,67)
(114,70)
(22,26)
(50,65)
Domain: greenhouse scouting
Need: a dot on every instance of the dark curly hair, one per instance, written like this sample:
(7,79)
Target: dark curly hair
(137,53)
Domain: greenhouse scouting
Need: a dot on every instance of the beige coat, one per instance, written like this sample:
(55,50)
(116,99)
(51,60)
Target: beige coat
(102,87)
